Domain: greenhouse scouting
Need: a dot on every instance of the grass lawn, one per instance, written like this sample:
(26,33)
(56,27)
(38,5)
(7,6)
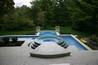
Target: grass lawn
(68,30)
(17,32)
(64,30)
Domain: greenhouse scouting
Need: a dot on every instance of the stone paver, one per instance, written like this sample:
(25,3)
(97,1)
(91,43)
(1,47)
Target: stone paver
(20,56)
(49,48)
(60,64)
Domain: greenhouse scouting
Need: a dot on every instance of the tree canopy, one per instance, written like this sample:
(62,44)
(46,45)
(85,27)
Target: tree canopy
(85,15)
(81,15)
(6,6)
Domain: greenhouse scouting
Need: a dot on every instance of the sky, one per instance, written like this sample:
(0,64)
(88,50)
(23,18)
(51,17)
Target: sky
(19,3)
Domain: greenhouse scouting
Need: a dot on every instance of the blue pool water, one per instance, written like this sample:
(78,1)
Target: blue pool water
(43,39)
(68,39)
(49,39)
(72,42)
(48,33)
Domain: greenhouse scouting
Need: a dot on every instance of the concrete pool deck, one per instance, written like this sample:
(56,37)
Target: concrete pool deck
(20,56)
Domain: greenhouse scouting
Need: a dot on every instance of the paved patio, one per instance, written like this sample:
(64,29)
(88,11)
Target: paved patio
(20,56)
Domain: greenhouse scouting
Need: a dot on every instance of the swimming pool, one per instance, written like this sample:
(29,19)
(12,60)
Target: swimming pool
(72,42)
(51,39)
(47,33)
(43,39)
(67,38)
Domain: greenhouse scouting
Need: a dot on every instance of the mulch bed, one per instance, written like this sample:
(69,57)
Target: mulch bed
(11,44)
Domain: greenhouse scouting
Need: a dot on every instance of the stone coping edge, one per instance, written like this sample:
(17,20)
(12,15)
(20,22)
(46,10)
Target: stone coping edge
(50,56)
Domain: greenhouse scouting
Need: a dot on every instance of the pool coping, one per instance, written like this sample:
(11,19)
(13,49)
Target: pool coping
(58,34)
(74,36)
(81,43)
(50,56)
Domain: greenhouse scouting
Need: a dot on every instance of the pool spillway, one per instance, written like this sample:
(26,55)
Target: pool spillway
(44,39)
(47,33)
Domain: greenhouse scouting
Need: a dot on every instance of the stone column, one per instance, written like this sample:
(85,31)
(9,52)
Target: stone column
(57,28)
(38,29)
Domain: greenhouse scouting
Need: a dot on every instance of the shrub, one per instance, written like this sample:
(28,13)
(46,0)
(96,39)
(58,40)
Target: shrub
(93,37)
(14,39)
(6,39)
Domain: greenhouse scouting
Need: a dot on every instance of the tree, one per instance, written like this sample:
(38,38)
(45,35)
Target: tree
(62,13)
(85,15)
(20,18)
(17,20)
(82,14)
(6,6)
(55,11)
(47,6)
(35,9)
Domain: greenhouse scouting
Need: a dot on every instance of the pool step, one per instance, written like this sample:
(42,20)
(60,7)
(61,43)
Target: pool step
(63,44)
(34,45)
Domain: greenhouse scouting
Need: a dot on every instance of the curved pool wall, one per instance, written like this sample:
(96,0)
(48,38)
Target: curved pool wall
(43,39)
(47,33)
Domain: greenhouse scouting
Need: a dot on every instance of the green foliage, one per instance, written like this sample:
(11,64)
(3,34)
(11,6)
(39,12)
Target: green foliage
(85,15)
(61,13)
(81,14)
(34,11)
(63,30)
(69,30)
(5,39)
(55,12)
(18,20)
(28,31)
(6,6)
(91,46)
(14,39)
(94,38)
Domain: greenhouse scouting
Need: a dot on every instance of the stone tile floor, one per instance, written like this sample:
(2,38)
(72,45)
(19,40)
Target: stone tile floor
(20,56)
